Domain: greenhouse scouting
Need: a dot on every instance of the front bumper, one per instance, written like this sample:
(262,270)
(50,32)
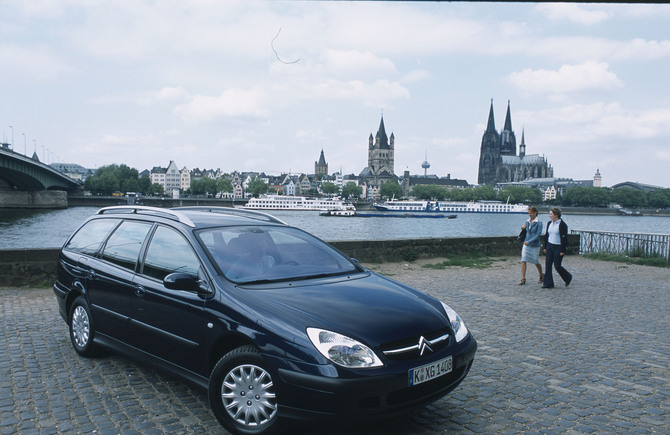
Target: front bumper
(309,396)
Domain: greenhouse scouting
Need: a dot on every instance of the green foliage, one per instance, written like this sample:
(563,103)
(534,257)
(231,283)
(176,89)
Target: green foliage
(351,190)
(204,186)
(224,185)
(660,198)
(390,189)
(655,261)
(156,189)
(257,187)
(474,260)
(628,197)
(587,196)
(429,192)
(518,194)
(329,188)
(113,178)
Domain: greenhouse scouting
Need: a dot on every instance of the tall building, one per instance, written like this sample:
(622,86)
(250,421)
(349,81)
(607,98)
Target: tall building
(381,149)
(321,167)
(597,179)
(498,159)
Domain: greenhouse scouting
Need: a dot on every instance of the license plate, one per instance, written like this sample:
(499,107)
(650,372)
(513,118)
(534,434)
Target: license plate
(419,375)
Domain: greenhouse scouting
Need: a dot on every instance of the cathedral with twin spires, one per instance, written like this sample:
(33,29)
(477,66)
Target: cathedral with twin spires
(498,159)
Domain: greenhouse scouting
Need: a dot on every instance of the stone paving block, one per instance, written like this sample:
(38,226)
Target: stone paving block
(592,358)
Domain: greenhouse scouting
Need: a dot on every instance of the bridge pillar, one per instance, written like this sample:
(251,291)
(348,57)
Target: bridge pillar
(36,199)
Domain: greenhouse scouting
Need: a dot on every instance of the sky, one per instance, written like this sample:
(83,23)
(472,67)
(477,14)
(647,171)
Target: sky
(266,85)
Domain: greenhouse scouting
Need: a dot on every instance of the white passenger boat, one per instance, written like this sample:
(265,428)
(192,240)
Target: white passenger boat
(290,202)
(452,207)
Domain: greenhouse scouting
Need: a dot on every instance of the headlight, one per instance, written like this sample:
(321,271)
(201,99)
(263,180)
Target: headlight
(457,324)
(342,350)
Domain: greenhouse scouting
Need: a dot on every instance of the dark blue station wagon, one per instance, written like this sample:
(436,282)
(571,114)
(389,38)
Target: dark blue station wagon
(274,323)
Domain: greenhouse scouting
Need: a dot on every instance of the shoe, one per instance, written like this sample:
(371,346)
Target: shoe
(567,283)
(523,282)
(541,278)
(547,286)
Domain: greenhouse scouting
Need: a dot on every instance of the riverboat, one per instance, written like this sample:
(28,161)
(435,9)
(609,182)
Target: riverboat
(296,203)
(451,207)
(353,213)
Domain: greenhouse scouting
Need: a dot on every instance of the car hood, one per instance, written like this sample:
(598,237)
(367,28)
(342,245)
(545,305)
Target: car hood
(366,307)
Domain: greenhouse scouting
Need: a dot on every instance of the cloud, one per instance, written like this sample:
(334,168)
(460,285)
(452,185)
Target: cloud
(356,62)
(166,94)
(573,12)
(33,63)
(568,78)
(231,103)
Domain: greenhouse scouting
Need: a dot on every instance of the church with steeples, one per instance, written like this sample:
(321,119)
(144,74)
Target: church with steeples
(381,149)
(498,159)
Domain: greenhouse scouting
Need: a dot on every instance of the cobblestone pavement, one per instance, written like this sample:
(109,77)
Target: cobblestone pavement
(592,358)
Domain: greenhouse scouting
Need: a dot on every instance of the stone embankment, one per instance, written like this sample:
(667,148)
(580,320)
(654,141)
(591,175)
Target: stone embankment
(37,267)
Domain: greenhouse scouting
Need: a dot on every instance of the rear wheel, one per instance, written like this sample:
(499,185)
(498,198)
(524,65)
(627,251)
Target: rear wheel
(241,393)
(81,328)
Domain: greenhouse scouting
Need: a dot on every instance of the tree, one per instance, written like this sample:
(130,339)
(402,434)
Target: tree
(329,188)
(429,192)
(113,178)
(156,189)
(485,193)
(351,190)
(628,197)
(390,189)
(660,198)
(257,187)
(224,185)
(204,186)
(520,194)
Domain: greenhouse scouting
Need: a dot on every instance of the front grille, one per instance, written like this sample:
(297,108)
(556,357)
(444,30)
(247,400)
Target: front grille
(414,347)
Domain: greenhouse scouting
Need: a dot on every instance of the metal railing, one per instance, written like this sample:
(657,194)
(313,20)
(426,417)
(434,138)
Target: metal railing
(631,244)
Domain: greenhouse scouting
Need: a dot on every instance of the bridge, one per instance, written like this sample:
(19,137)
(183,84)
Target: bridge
(22,173)
(28,183)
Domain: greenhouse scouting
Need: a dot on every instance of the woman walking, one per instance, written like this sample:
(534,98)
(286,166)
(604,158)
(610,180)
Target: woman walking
(530,253)
(555,244)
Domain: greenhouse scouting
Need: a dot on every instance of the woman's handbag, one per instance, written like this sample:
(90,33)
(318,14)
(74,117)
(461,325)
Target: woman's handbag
(522,235)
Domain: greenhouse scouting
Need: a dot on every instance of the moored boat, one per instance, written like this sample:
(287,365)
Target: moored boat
(451,207)
(290,202)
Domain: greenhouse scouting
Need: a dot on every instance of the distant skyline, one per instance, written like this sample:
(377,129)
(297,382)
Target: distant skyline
(266,85)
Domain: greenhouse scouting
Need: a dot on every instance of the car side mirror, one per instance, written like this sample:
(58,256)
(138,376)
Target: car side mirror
(182,281)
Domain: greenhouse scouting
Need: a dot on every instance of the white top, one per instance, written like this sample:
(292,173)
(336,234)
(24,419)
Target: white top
(554,233)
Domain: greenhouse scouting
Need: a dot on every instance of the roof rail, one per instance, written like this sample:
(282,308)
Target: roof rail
(154,211)
(252,214)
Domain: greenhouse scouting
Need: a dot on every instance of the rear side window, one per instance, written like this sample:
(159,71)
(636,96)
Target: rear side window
(123,247)
(169,252)
(89,237)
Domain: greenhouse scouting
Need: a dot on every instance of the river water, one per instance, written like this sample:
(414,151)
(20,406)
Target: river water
(21,229)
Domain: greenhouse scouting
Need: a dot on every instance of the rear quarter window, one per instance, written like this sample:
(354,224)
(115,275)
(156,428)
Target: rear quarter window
(90,237)
(123,247)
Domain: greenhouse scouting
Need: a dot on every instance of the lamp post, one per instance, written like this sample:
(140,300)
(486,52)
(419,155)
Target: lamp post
(25,152)
(12,127)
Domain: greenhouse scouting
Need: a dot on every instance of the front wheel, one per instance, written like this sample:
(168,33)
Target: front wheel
(81,328)
(242,395)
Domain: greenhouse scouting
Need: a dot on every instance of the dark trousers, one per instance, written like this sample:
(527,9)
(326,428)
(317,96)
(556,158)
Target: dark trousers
(554,258)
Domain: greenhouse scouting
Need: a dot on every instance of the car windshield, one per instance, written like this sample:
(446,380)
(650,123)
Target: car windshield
(272,253)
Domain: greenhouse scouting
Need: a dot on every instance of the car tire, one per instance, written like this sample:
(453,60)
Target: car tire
(81,328)
(241,393)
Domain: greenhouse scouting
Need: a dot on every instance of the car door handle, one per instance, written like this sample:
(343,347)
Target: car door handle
(140,291)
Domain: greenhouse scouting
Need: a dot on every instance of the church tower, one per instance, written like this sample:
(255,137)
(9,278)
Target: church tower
(321,167)
(381,151)
(489,155)
(508,139)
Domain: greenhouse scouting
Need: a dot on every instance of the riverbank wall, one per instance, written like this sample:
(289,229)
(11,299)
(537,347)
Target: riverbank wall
(37,267)
(35,199)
